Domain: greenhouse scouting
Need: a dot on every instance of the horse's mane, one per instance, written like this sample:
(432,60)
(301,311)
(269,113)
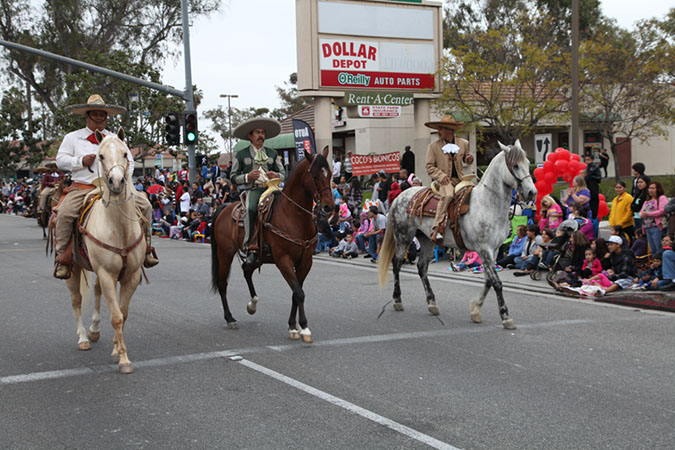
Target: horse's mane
(318,160)
(511,158)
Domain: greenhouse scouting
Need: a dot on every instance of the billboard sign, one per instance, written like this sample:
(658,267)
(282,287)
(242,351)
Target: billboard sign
(370,164)
(372,45)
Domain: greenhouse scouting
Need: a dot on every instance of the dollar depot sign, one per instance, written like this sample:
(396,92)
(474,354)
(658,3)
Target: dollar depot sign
(371,45)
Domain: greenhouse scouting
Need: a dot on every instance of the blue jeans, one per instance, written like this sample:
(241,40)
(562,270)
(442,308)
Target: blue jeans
(668,264)
(360,242)
(464,266)
(654,236)
(522,264)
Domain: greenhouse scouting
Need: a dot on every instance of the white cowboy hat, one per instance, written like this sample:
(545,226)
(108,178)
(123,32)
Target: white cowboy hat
(272,128)
(445,122)
(96,103)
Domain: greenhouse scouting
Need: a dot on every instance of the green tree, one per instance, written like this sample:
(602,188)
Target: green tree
(511,76)
(220,121)
(629,90)
(291,102)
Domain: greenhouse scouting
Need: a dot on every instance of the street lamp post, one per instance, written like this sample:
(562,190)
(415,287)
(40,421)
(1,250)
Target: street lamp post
(229,116)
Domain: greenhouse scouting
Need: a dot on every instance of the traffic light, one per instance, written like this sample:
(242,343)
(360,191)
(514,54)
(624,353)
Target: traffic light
(190,127)
(172,128)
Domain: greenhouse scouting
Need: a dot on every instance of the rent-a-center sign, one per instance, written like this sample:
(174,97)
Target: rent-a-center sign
(368,45)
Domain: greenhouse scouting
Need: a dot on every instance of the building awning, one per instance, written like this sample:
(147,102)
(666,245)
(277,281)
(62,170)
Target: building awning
(284,141)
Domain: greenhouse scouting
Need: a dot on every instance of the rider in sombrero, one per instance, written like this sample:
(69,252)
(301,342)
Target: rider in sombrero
(77,154)
(445,164)
(252,167)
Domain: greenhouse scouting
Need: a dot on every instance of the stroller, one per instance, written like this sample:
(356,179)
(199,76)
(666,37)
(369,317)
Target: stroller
(560,244)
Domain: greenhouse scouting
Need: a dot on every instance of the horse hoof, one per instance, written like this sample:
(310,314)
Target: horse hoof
(233,325)
(509,324)
(93,337)
(126,368)
(115,358)
(83,346)
(476,317)
(398,306)
(306,339)
(250,310)
(433,308)
(293,335)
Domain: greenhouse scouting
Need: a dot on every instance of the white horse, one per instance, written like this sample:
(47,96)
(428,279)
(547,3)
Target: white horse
(483,228)
(115,241)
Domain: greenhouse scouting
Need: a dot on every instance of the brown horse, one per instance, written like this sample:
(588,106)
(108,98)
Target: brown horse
(290,234)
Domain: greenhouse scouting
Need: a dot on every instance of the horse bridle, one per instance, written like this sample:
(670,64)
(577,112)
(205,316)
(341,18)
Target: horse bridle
(106,176)
(519,181)
(317,192)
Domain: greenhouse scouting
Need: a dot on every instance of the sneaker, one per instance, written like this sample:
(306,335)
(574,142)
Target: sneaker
(349,256)
(510,266)
(479,269)
(520,274)
(373,260)
(454,267)
(367,255)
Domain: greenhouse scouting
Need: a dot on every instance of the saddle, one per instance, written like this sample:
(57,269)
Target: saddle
(262,219)
(425,203)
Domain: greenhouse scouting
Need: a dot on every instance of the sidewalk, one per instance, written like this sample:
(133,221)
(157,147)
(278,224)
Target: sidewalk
(664,301)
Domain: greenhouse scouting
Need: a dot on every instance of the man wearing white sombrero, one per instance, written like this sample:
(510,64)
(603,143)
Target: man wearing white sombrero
(445,164)
(77,154)
(252,168)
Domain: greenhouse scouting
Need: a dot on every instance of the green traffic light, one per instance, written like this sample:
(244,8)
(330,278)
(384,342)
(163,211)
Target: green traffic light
(191,137)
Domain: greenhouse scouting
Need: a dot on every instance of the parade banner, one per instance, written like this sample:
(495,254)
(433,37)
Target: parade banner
(370,164)
(304,139)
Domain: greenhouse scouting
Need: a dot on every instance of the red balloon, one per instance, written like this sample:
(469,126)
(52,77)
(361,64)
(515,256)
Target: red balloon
(558,150)
(575,157)
(582,166)
(552,157)
(573,167)
(561,166)
(539,173)
(603,209)
(547,189)
(549,166)
(602,198)
(568,177)
(564,154)
(550,178)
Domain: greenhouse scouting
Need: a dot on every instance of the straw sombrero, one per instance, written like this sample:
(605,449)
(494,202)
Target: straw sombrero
(96,103)
(445,122)
(272,128)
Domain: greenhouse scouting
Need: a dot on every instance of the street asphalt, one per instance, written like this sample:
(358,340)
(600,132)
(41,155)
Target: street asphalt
(575,374)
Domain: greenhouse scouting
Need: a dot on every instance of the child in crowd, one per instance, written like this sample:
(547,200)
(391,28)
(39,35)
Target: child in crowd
(648,279)
(592,265)
(346,248)
(639,247)
(469,261)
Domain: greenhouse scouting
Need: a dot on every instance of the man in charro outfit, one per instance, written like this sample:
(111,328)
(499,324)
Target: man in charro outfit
(77,154)
(253,166)
(445,164)
(49,181)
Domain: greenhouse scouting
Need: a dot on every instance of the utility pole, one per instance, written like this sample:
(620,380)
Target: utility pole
(574,144)
(189,97)
(229,116)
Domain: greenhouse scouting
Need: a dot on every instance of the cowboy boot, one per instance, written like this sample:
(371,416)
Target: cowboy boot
(64,263)
(150,258)
(437,236)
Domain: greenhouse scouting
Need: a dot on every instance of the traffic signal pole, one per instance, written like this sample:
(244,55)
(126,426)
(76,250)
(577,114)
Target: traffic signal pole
(189,97)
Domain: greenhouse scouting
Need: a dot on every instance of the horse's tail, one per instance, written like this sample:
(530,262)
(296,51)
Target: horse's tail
(215,264)
(387,251)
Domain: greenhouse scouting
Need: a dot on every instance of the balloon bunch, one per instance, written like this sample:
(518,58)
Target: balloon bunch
(561,163)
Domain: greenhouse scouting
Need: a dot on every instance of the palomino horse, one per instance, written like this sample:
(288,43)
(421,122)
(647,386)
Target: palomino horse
(290,233)
(483,228)
(115,241)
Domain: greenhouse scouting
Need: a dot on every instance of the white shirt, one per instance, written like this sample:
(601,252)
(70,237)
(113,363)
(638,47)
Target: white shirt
(74,147)
(337,165)
(185,202)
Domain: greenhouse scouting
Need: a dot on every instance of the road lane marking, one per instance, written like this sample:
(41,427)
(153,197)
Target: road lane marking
(380,420)
(181,359)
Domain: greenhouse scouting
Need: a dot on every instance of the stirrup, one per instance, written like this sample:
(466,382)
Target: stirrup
(151,259)
(59,271)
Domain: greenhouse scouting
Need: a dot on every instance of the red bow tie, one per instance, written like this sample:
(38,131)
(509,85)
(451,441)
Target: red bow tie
(92,138)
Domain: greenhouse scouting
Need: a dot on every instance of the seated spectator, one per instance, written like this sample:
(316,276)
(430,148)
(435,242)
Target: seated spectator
(551,246)
(650,279)
(532,242)
(639,247)
(378,224)
(668,260)
(394,192)
(515,249)
(364,226)
(618,230)
(346,248)
(599,245)
(592,265)
(176,231)
(623,269)
(413,249)
(579,213)
(469,261)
